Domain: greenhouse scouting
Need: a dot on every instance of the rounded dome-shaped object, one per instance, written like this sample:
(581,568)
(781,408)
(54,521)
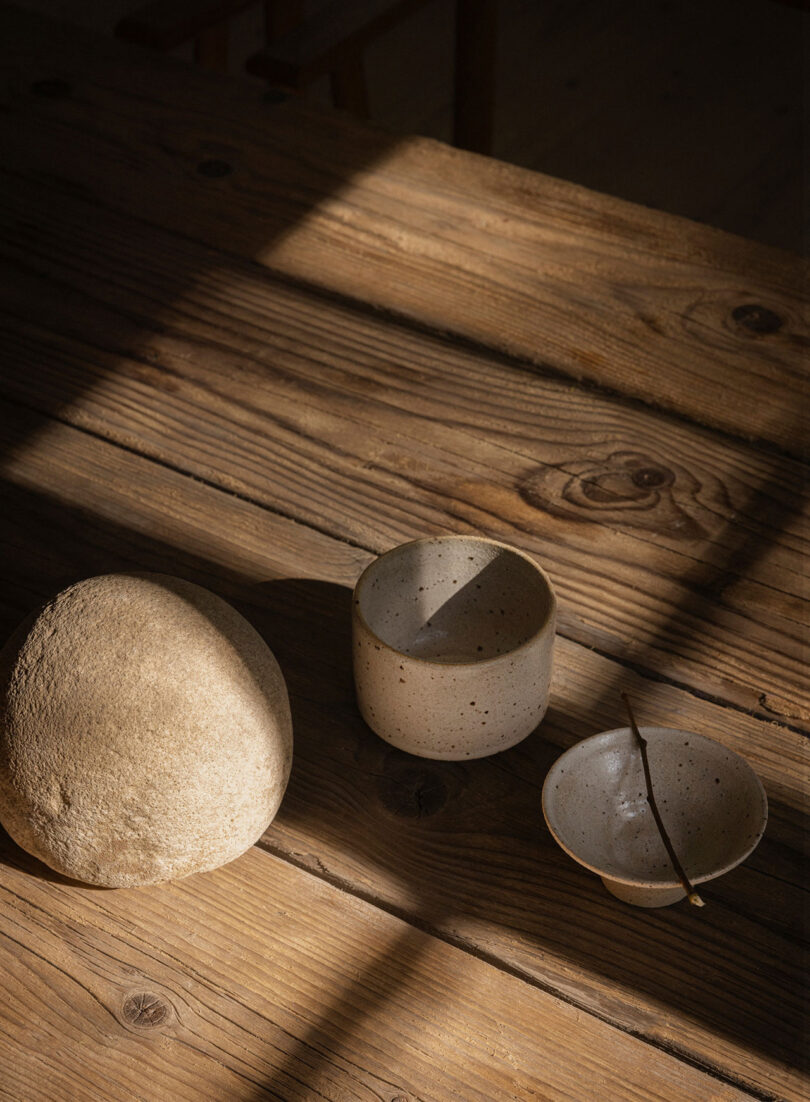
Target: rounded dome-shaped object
(145,734)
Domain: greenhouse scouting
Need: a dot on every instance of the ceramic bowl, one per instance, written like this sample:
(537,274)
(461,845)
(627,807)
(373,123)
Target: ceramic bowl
(452,642)
(712,804)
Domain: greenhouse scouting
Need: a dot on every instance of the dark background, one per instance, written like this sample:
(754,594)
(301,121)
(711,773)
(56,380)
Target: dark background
(689,106)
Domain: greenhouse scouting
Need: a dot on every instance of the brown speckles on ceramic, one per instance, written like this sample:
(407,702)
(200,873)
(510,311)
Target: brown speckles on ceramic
(453,640)
(712,803)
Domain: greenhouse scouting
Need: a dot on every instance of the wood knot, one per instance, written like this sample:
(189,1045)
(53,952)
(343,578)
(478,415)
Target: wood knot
(625,477)
(651,478)
(145,1010)
(756,319)
(412,791)
(51,89)
(626,487)
(214,169)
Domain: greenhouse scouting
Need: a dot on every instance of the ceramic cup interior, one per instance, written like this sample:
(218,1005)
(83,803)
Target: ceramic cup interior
(712,803)
(454,599)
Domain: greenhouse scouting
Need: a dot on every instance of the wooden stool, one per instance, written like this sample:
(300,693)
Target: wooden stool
(332,42)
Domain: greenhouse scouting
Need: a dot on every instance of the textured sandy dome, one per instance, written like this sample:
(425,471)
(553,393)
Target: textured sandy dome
(145,733)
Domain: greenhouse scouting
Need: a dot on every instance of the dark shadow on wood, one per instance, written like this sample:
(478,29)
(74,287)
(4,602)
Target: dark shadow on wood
(378,984)
(67,87)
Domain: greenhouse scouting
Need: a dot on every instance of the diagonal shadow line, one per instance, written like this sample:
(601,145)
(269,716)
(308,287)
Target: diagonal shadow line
(70,102)
(371,993)
(706,583)
(59,392)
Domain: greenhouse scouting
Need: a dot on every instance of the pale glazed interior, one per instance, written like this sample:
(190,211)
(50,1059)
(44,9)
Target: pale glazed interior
(711,801)
(454,600)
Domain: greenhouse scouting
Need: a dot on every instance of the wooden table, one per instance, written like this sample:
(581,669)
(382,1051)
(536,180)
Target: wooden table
(255,344)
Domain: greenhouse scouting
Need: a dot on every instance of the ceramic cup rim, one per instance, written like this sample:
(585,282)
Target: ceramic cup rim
(473,663)
(637,882)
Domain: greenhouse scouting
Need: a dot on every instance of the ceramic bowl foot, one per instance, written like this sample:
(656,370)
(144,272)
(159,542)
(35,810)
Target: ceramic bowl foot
(643,897)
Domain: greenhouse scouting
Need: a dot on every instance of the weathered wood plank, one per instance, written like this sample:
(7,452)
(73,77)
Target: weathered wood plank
(459,848)
(670,548)
(264,982)
(662,309)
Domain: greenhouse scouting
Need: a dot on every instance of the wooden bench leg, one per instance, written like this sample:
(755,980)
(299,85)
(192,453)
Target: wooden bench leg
(348,83)
(211,47)
(476,37)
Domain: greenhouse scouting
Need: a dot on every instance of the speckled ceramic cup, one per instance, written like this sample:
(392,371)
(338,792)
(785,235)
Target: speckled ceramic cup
(711,801)
(452,641)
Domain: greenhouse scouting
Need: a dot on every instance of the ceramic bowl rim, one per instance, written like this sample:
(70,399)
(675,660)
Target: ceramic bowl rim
(473,663)
(664,885)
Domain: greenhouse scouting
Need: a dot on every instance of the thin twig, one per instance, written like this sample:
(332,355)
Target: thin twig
(691,894)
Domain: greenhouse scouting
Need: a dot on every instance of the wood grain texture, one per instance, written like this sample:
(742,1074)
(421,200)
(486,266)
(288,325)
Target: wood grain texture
(259,981)
(670,548)
(458,848)
(670,312)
